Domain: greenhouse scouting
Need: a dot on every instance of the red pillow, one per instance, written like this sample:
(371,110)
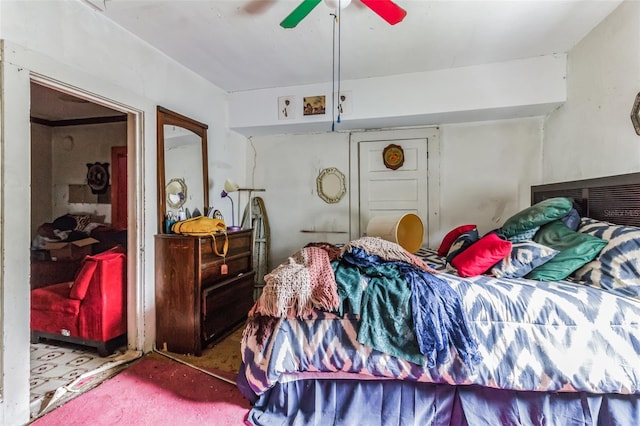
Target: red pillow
(481,255)
(83,279)
(448,239)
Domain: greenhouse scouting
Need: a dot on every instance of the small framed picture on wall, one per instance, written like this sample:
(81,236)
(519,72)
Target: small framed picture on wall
(314,105)
(286,109)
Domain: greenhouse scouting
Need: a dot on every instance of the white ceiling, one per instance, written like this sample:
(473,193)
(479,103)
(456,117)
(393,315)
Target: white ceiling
(239,45)
(52,106)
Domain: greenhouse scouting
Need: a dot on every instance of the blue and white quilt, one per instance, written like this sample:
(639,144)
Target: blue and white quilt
(532,336)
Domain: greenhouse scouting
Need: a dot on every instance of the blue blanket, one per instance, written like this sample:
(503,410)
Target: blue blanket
(405,311)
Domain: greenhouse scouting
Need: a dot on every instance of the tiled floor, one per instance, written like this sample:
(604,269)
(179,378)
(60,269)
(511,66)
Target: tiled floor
(59,372)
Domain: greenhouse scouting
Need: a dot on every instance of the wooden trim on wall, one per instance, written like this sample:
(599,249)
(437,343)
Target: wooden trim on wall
(119,187)
(79,121)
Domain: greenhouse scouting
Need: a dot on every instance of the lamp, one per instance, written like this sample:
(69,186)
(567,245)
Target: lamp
(230,186)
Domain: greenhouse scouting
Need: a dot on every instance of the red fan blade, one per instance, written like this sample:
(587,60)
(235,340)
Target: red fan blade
(387,10)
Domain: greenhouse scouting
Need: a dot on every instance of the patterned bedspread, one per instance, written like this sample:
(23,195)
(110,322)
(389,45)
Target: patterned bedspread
(540,336)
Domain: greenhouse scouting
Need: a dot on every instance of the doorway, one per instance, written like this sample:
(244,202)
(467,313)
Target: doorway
(395,171)
(72,136)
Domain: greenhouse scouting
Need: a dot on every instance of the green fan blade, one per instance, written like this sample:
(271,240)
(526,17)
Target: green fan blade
(299,13)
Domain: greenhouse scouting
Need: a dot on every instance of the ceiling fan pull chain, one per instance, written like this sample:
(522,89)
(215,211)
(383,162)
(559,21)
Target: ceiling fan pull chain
(339,106)
(333,70)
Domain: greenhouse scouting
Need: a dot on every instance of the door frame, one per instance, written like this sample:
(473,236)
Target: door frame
(119,216)
(135,220)
(18,67)
(432,134)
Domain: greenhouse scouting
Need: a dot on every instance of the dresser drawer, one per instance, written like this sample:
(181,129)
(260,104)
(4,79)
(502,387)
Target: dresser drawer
(237,264)
(226,305)
(195,303)
(238,243)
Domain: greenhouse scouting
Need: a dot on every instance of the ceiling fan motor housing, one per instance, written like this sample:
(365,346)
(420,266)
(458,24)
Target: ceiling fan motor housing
(334,4)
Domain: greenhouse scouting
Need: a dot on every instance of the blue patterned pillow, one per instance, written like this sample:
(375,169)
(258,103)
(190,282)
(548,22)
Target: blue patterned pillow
(524,257)
(526,235)
(617,267)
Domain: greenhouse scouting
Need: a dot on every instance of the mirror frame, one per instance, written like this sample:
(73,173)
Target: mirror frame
(336,196)
(166,116)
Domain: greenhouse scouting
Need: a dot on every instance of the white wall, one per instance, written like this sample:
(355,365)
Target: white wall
(486,170)
(91,143)
(519,88)
(591,135)
(287,167)
(69,44)
(56,164)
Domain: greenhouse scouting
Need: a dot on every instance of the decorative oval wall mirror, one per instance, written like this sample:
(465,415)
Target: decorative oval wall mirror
(331,185)
(182,164)
(176,192)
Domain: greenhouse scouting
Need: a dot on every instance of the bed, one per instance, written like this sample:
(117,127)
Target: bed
(417,340)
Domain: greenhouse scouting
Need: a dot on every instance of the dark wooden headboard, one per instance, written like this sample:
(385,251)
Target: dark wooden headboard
(614,199)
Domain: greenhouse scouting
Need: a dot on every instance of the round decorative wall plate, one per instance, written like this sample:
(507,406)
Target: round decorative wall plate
(98,177)
(393,156)
(635,114)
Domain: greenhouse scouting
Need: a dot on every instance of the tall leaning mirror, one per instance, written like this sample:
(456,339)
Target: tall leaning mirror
(182,165)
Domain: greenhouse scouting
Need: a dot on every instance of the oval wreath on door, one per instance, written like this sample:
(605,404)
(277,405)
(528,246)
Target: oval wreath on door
(98,177)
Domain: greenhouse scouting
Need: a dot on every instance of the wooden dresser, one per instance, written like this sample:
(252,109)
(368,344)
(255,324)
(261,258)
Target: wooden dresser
(195,302)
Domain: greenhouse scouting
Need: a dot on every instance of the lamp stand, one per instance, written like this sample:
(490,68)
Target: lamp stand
(233,227)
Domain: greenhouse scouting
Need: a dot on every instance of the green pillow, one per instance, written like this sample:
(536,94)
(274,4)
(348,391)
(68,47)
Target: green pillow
(537,215)
(576,249)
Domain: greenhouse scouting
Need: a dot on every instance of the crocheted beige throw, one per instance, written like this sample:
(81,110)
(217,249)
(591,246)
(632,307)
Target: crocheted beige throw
(298,286)
(388,251)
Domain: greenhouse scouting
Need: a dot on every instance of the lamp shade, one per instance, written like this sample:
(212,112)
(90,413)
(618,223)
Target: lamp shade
(230,186)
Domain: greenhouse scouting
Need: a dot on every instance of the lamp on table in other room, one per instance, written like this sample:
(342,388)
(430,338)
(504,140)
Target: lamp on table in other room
(229,187)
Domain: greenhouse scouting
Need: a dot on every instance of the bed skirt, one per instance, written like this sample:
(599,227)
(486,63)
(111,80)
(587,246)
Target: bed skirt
(392,402)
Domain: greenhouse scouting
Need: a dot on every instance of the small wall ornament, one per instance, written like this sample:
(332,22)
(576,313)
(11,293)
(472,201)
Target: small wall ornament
(393,156)
(331,185)
(286,108)
(98,177)
(635,114)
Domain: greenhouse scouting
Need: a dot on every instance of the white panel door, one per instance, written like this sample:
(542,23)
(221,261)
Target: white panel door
(384,191)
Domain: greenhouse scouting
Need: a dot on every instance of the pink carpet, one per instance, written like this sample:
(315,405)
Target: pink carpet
(154,391)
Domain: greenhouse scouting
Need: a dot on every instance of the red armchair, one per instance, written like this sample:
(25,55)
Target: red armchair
(91,310)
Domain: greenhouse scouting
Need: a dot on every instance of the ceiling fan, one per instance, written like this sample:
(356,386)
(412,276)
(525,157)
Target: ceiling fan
(386,9)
